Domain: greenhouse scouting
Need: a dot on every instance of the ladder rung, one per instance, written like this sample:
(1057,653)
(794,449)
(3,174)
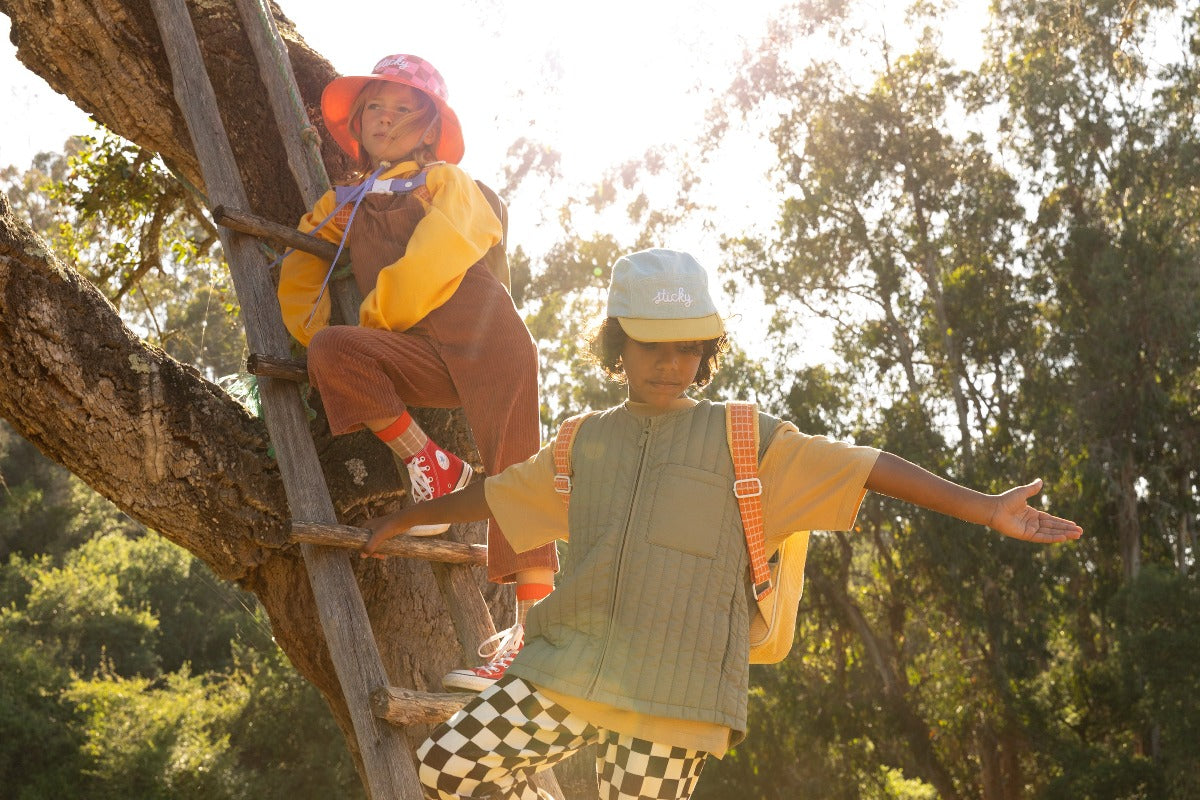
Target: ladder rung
(288,369)
(407,707)
(254,225)
(429,549)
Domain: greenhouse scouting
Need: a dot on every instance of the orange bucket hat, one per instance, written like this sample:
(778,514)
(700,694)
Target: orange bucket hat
(339,96)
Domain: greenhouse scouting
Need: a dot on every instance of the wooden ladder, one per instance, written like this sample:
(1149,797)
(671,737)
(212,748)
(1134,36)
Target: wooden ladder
(378,711)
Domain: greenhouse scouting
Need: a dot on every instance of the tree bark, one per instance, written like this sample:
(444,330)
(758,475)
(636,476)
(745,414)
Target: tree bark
(170,449)
(106,56)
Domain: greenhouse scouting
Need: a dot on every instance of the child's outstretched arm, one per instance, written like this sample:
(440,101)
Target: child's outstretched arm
(1008,513)
(466,505)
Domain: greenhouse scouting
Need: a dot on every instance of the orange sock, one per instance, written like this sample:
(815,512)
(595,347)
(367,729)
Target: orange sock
(404,436)
(528,595)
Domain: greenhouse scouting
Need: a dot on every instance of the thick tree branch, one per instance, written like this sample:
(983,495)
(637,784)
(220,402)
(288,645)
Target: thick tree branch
(170,449)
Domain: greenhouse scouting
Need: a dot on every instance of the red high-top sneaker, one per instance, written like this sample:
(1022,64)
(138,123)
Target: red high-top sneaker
(433,472)
(507,644)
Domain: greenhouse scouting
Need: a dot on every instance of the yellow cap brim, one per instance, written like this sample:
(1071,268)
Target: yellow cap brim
(673,330)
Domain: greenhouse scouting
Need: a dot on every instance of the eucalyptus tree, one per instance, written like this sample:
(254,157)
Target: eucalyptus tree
(901,226)
(1101,109)
(1008,260)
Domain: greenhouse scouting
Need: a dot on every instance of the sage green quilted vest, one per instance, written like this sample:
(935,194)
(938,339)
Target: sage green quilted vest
(651,609)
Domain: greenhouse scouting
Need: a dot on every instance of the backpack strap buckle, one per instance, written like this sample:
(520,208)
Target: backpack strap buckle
(563,441)
(747,487)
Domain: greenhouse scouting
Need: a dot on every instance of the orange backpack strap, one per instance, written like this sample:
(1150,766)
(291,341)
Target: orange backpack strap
(741,431)
(563,441)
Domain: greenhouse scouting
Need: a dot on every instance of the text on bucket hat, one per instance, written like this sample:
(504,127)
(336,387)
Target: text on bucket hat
(662,296)
(337,102)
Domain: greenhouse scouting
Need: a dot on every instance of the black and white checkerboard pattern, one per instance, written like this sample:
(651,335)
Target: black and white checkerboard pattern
(511,730)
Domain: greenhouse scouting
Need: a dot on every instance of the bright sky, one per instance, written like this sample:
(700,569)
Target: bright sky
(593,81)
(602,82)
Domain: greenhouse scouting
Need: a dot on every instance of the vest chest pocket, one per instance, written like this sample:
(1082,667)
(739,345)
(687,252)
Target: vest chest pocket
(688,512)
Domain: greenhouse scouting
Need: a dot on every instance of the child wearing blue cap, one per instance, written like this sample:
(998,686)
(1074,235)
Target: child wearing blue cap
(644,646)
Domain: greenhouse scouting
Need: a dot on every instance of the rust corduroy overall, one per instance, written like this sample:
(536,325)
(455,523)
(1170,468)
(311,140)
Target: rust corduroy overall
(473,351)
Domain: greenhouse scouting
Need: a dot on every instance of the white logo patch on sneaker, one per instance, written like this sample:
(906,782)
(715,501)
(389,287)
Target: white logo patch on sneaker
(442,459)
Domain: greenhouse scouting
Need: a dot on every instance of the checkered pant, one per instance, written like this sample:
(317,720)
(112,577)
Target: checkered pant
(511,730)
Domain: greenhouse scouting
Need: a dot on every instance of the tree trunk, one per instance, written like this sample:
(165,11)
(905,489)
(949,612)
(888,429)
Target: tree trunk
(1185,542)
(170,449)
(1129,527)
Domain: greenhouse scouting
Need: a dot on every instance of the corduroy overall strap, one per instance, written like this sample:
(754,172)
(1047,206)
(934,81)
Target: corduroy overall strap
(741,430)
(345,195)
(563,441)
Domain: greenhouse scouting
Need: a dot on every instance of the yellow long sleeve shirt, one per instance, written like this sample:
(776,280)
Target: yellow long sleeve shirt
(459,226)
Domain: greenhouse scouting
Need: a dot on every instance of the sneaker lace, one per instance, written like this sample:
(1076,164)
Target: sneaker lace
(418,474)
(502,648)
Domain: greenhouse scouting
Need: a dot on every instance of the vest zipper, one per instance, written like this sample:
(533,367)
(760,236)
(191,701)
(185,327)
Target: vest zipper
(643,441)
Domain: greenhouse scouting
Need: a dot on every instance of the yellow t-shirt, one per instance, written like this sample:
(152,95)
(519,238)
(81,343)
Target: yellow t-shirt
(809,483)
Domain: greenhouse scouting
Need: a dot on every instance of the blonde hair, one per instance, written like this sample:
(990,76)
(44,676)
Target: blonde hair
(421,119)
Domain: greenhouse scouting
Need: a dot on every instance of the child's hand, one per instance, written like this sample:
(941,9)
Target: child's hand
(382,529)
(1014,517)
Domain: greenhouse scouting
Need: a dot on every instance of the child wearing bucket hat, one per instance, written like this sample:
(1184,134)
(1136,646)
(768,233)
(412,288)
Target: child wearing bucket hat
(436,328)
(644,646)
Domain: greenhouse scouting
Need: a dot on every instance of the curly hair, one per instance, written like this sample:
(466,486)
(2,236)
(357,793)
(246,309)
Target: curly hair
(607,342)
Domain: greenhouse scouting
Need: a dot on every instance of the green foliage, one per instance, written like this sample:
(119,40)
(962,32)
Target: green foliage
(566,301)
(115,213)
(1159,647)
(78,613)
(101,696)
(39,731)
(34,499)
(1008,301)
(163,741)
(129,670)
(287,743)
(258,731)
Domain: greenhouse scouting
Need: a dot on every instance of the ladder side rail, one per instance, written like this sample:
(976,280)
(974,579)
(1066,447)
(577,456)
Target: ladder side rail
(386,756)
(275,67)
(296,131)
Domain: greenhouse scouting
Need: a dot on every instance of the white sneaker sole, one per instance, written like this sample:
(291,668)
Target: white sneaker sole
(434,530)
(467,681)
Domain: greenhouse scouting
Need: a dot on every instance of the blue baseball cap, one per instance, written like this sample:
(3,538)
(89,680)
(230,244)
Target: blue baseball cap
(662,296)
